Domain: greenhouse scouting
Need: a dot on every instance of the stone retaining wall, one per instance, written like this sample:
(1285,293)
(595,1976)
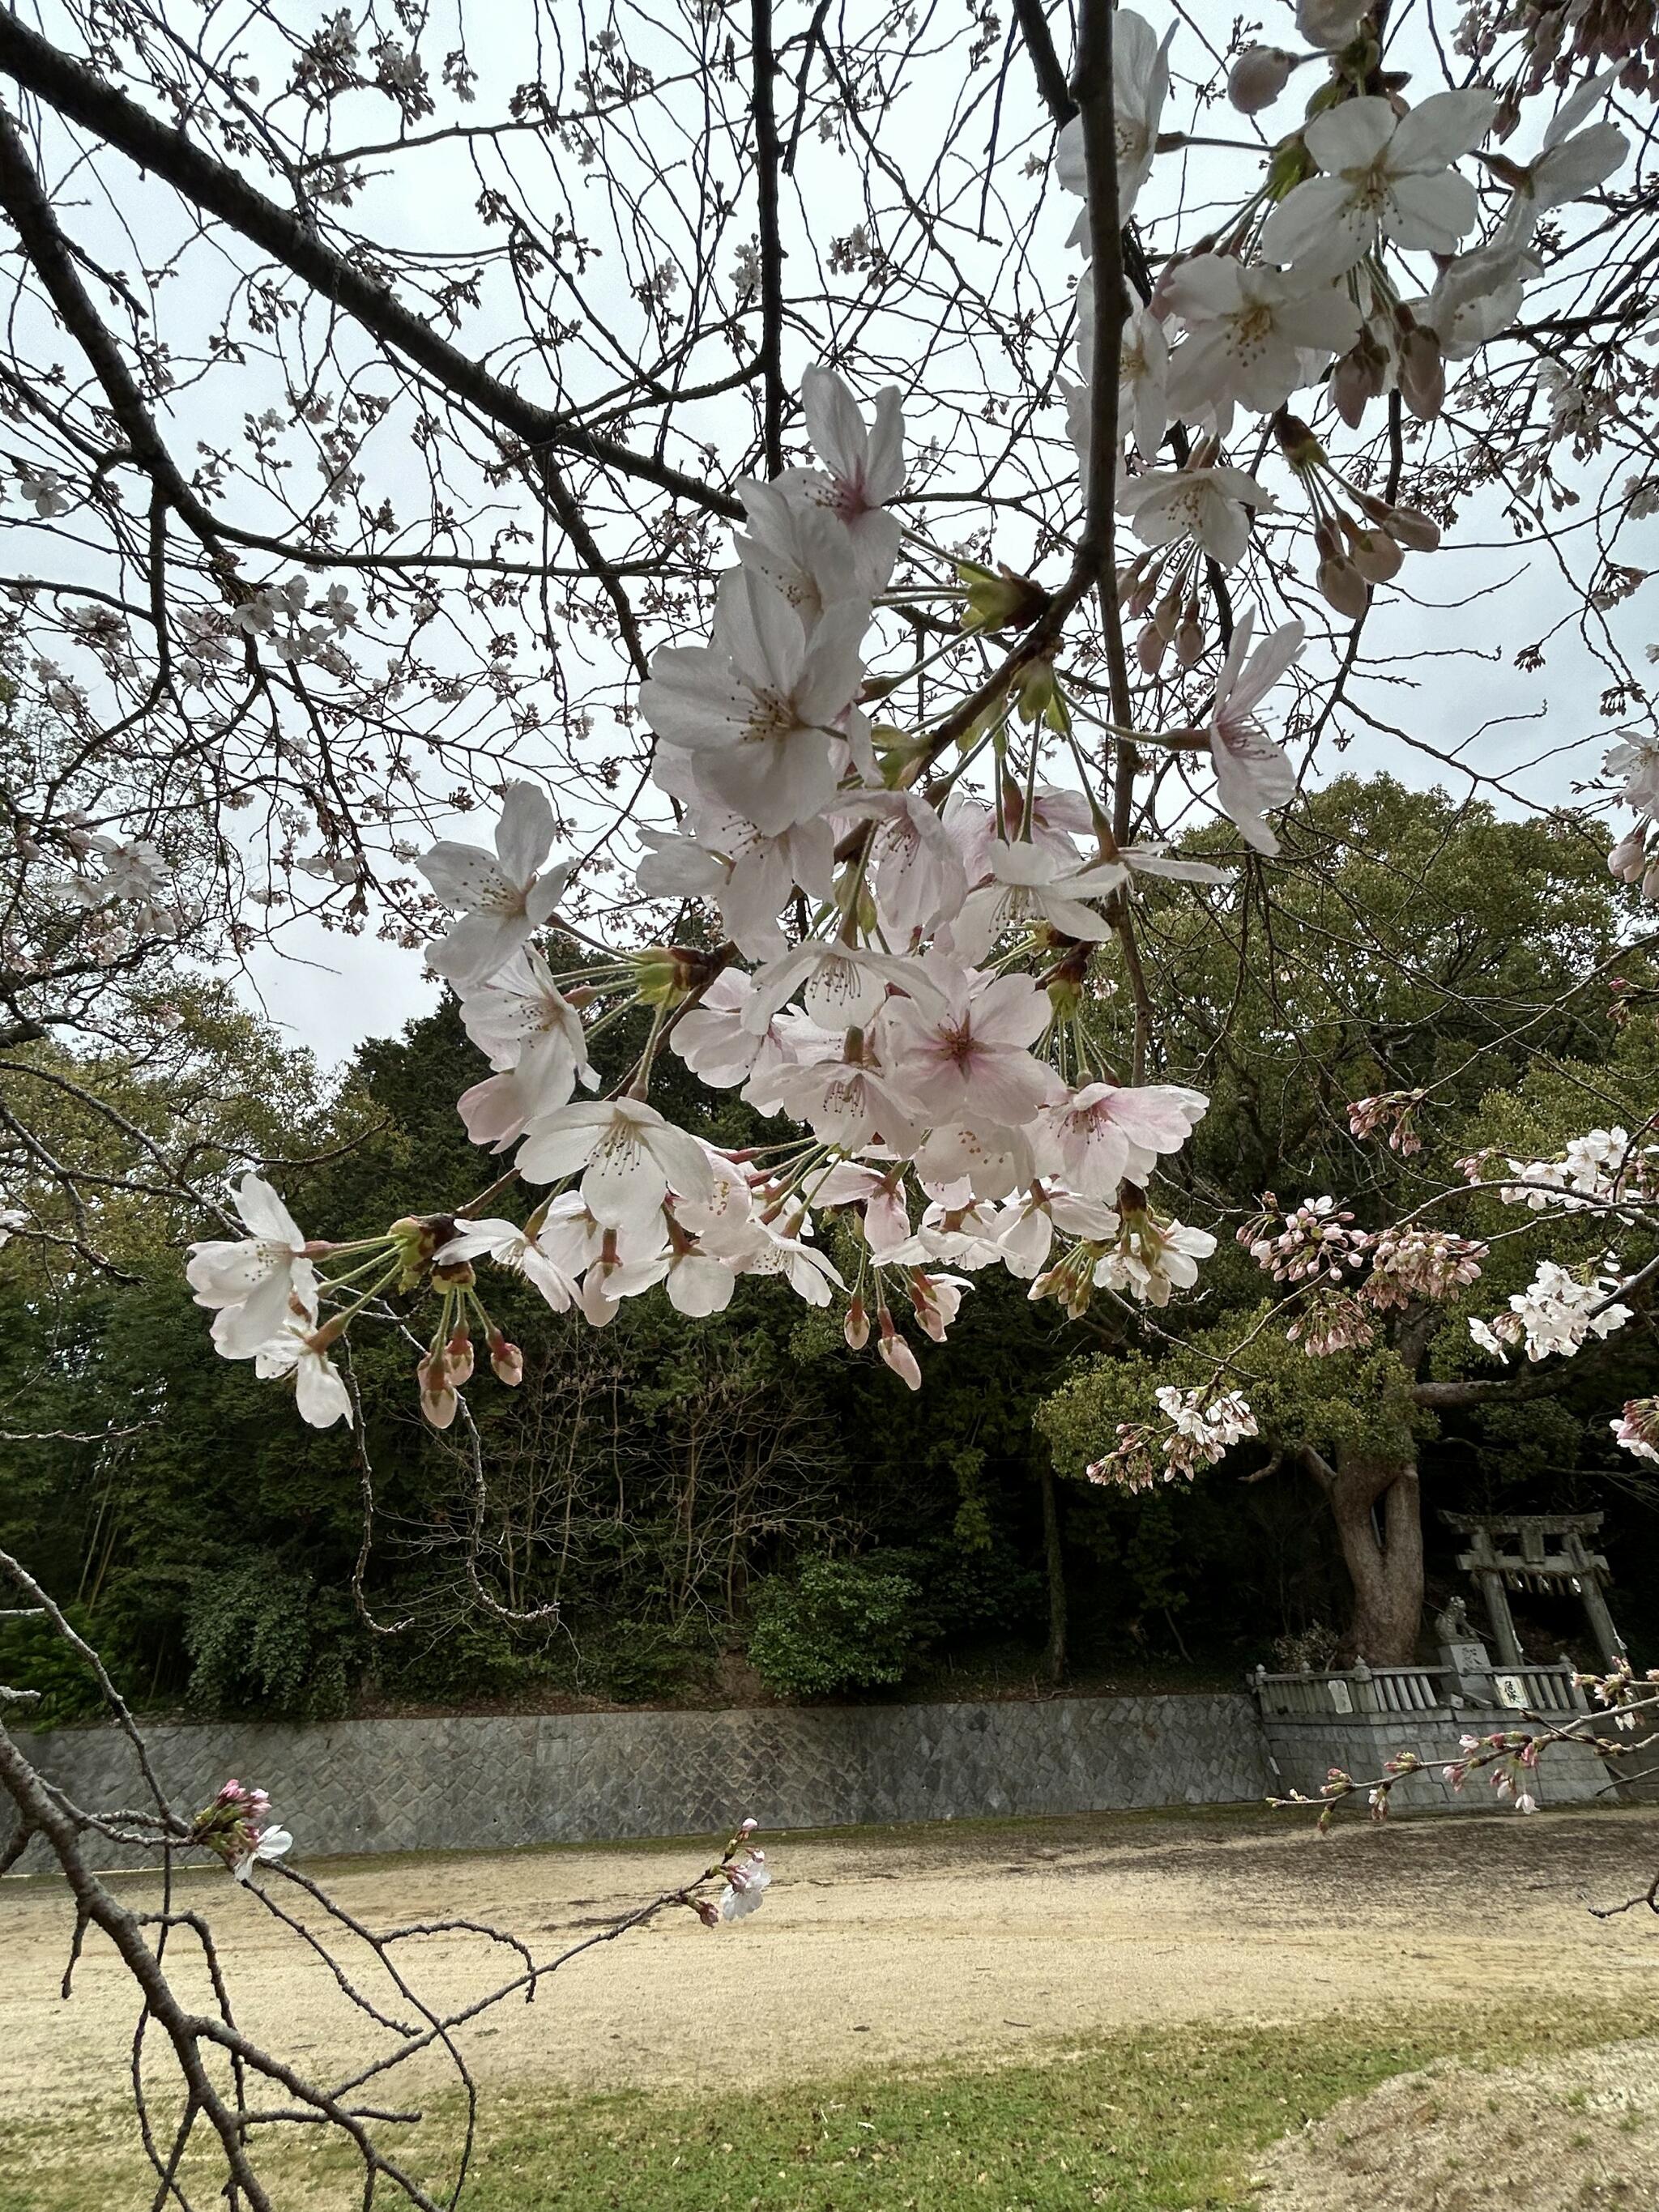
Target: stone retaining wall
(471,1783)
(1302,1752)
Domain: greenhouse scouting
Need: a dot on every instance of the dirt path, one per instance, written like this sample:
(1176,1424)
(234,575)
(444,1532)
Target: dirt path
(898,1948)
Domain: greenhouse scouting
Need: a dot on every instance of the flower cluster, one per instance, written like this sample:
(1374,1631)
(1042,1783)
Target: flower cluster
(1316,1241)
(1511,1757)
(914,918)
(1420,1263)
(1558,1311)
(1331,1320)
(1636,1428)
(1393,1111)
(923,1023)
(237,1827)
(1605,1168)
(1200,1427)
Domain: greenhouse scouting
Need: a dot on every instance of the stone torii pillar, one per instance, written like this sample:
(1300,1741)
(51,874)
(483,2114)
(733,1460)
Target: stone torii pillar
(1480,1560)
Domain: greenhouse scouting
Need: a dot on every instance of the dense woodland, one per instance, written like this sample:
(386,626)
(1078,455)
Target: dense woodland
(738,1507)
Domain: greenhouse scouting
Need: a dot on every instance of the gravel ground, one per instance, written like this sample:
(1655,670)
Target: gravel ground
(892,1947)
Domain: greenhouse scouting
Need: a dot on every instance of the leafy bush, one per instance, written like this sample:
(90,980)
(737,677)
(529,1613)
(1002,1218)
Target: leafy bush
(838,1625)
(259,1634)
(34,1657)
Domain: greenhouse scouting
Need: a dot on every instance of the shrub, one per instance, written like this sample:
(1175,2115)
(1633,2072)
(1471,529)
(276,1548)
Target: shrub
(839,1624)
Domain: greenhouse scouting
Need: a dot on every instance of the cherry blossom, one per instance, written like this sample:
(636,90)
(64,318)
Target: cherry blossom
(1637,1429)
(969,1058)
(534,1037)
(628,1156)
(501,896)
(1252,773)
(864,465)
(758,709)
(747,1880)
(507,1246)
(1140,85)
(1571,163)
(1249,332)
(1212,505)
(1106,1132)
(300,1351)
(1029,886)
(256,1281)
(1383,174)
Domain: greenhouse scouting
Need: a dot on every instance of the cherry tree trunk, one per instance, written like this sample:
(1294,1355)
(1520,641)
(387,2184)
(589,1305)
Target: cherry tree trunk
(1385,1565)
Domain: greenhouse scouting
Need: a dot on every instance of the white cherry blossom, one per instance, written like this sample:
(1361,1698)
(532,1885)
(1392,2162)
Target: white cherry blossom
(1029,886)
(845,984)
(1029,1220)
(300,1350)
(1213,505)
(697,1283)
(969,1060)
(1383,174)
(1571,163)
(1105,1133)
(865,467)
(1140,85)
(1249,332)
(759,708)
(805,548)
(254,1282)
(505,1245)
(1252,773)
(502,897)
(879,1191)
(533,1037)
(628,1156)
(917,872)
(1154,1258)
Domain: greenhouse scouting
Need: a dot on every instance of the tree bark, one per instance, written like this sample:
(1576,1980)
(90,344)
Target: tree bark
(1386,1570)
(1055,1555)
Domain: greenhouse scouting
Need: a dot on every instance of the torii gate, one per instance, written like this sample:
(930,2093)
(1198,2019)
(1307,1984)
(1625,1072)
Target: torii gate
(1549,1552)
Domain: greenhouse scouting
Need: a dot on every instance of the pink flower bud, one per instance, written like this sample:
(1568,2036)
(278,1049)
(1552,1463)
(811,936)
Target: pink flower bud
(897,1354)
(506,1358)
(457,1352)
(1150,649)
(1375,554)
(1416,531)
(438,1400)
(1259,75)
(1423,374)
(856,1328)
(1341,584)
(1189,640)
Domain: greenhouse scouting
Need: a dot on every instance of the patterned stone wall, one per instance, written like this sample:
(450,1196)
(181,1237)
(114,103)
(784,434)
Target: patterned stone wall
(464,1784)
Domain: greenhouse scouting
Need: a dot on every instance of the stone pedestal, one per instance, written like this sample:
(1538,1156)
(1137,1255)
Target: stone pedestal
(1468,1666)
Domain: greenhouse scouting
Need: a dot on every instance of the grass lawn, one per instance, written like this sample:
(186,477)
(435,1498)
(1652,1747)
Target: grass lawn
(1173,2119)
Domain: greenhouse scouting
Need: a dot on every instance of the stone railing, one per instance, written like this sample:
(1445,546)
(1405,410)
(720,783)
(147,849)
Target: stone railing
(1546,1691)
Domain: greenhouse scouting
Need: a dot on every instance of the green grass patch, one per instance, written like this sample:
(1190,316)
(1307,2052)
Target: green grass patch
(1166,2121)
